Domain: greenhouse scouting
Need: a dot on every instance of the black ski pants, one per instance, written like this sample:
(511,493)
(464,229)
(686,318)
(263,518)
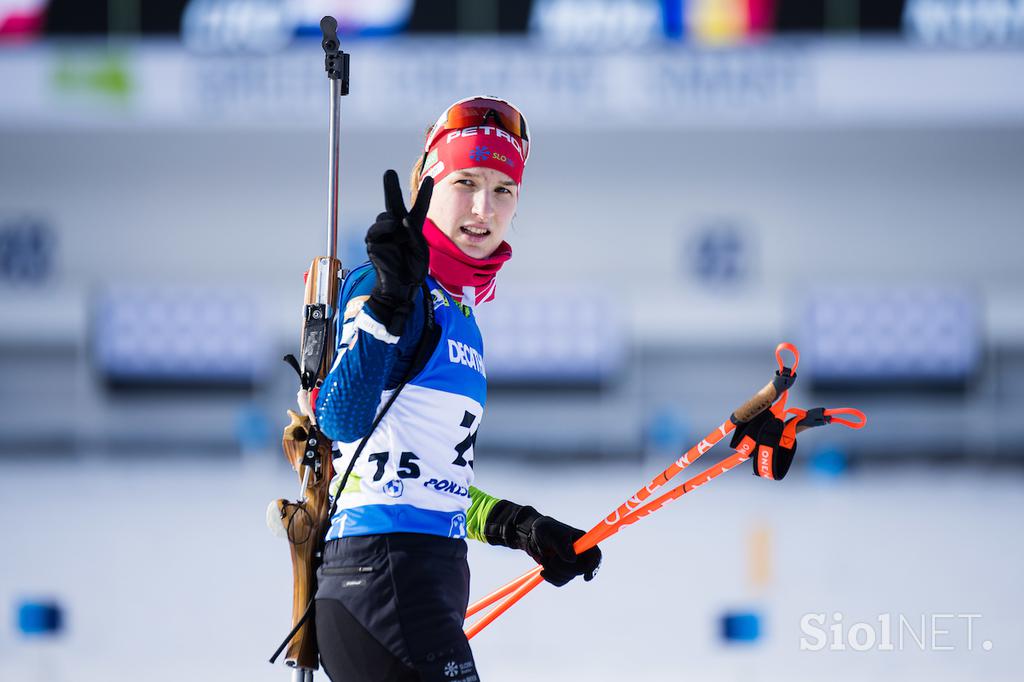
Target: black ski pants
(391,607)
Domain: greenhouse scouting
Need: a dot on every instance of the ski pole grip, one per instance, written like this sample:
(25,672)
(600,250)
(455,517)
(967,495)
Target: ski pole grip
(761,401)
(766,397)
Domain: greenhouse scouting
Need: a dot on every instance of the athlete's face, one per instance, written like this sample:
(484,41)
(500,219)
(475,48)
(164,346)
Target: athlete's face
(474,207)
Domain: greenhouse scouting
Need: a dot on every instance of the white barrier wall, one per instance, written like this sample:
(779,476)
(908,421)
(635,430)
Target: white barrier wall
(620,210)
(701,205)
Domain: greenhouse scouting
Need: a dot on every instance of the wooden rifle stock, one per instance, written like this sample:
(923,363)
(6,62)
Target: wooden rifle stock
(309,453)
(304,522)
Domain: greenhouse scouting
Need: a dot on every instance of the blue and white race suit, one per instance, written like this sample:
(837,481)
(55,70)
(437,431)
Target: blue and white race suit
(415,473)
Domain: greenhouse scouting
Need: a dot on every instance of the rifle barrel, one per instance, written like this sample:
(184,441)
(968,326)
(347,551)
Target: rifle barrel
(332,170)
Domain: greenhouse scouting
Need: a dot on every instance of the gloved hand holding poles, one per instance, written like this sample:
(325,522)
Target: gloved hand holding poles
(548,541)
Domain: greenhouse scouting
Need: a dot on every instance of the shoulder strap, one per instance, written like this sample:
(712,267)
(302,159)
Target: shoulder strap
(428,339)
(423,350)
(426,345)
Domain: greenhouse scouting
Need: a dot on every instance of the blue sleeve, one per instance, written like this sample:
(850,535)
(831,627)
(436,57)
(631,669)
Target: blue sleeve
(368,360)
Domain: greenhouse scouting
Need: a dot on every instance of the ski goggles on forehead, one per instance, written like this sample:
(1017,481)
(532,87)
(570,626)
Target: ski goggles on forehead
(481,111)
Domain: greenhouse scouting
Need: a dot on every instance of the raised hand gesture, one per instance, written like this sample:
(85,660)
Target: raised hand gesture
(399,253)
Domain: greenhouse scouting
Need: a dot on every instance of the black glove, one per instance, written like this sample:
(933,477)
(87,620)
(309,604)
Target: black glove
(547,541)
(762,437)
(399,253)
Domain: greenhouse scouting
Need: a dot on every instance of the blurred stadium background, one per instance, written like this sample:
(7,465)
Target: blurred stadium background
(708,178)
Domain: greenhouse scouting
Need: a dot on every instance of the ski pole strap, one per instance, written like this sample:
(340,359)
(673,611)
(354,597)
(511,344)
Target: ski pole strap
(831,415)
(813,417)
(765,438)
(785,376)
(820,416)
(771,438)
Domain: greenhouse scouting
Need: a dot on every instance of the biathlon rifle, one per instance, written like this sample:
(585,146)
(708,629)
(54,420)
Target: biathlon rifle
(307,449)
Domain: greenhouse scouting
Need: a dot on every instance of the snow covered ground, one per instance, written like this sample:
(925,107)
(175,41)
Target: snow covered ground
(167,573)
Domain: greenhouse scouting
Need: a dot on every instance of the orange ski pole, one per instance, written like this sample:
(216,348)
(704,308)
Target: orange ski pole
(531,579)
(611,523)
(522,586)
(761,401)
(613,520)
(504,590)
(731,462)
(519,587)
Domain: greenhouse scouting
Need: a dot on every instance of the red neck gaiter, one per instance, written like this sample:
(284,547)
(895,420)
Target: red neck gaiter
(456,271)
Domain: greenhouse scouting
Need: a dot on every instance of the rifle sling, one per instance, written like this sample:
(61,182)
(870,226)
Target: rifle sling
(424,348)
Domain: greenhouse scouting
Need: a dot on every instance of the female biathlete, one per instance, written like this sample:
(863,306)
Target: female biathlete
(394,584)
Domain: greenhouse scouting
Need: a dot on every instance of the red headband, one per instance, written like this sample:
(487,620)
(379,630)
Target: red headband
(475,147)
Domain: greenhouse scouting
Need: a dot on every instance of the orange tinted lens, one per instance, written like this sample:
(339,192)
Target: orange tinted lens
(482,111)
(477,112)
